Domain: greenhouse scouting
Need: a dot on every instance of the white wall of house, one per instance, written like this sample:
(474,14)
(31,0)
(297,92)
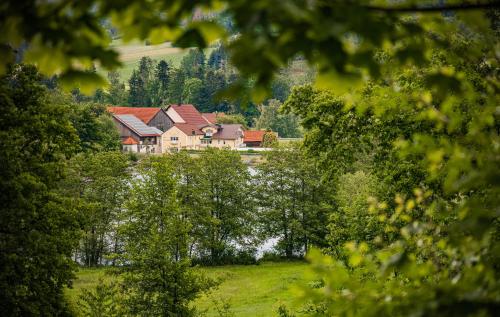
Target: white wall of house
(232,143)
(129,147)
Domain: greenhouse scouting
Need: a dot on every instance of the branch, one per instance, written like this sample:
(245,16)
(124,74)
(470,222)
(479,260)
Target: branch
(453,7)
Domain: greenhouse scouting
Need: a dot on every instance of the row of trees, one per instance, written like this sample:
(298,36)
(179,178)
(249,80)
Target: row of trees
(228,211)
(155,218)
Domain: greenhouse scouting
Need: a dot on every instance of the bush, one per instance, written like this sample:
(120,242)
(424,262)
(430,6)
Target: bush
(273,256)
(230,257)
(103,300)
(133,157)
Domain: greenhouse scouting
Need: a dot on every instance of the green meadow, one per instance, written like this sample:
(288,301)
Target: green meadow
(250,290)
(131,53)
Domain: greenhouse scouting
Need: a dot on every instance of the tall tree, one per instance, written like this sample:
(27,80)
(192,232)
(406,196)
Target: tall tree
(157,273)
(294,204)
(146,70)
(117,95)
(226,196)
(280,88)
(191,185)
(215,82)
(176,87)
(193,64)
(195,93)
(39,228)
(218,58)
(138,95)
(274,119)
(101,185)
(95,128)
(162,73)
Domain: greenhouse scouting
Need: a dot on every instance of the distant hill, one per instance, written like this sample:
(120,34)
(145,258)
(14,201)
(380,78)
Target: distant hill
(131,53)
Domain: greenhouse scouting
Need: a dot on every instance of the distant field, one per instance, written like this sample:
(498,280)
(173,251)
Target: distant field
(131,53)
(253,290)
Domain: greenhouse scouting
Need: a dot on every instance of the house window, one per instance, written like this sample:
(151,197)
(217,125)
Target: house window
(174,138)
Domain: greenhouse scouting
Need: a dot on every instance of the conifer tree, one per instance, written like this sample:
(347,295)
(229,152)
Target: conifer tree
(137,91)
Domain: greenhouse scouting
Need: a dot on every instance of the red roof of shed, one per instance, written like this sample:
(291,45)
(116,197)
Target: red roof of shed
(253,136)
(129,141)
(143,114)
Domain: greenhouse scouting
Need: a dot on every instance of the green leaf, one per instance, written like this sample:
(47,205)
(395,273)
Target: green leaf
(210,31)
(86,81)
(338,83)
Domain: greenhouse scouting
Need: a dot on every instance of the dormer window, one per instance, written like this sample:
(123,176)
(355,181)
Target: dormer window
(209,132)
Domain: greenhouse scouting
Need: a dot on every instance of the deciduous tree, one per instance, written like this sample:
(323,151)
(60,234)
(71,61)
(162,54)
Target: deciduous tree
(231,207)
(157,273)
(39,227)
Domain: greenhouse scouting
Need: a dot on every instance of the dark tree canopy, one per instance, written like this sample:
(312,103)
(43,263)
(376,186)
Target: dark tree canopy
(39,228)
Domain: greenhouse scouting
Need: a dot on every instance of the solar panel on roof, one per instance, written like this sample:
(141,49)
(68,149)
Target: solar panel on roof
(137,125)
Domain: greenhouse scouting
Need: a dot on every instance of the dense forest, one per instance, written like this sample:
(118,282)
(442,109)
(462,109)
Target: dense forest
(392,197)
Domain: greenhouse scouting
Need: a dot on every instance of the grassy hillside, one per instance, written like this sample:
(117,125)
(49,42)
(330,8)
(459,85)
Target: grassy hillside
(131,53)
(254,290)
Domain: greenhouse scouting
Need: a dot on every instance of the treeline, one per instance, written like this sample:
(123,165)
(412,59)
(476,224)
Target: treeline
(228,211)
(201,81)
(152,220)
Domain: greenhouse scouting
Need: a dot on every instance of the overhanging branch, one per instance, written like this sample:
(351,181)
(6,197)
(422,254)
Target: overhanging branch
(439,8)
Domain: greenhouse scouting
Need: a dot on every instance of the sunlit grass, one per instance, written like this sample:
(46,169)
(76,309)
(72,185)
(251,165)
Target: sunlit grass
(253,290)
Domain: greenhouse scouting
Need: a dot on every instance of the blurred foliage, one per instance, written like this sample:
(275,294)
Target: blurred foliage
(343,39)
(430,136)
(274,119)
(232,119)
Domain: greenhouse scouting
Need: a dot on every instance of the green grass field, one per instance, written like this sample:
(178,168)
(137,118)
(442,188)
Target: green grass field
(131,53)
(253,290)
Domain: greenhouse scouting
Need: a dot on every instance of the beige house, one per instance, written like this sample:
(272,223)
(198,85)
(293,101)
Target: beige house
(181,136)
(198,137)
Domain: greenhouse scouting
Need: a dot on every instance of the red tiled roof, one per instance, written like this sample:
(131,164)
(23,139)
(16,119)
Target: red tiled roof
(212,116)
(253,136)
(189,128)
(190,114)
(129,141)
(143,114)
